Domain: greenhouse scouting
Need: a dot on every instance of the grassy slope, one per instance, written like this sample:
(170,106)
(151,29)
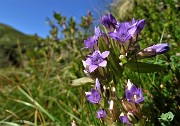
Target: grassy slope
(11,40)
(46,80)
(9,36)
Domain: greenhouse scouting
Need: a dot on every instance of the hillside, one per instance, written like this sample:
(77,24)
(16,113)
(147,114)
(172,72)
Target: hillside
(10,38)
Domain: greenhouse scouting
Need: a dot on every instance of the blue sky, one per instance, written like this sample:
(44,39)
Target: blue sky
(29,16)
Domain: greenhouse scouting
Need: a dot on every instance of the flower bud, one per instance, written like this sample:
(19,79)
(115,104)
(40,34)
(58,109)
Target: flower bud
(113,92)
(153,50)
(101,114)
(109,22)
(114,110)
(106,92)
(133,116)
(130,106)
(123,117)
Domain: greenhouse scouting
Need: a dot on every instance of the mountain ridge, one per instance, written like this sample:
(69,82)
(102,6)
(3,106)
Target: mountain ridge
(10,40)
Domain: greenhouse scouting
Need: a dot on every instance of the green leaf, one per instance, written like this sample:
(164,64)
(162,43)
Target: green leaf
(9,123)
(37,105)
(102,44)
(167,116)
(170,116)
(82,81)
(144,67)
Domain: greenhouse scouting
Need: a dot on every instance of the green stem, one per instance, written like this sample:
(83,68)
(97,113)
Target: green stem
(94,120)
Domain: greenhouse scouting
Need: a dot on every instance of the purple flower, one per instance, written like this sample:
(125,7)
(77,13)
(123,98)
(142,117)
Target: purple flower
(94,96)
(98,32)
(125,30)
(101,114)
(95,60)
(158,48)
(153,51)
(121,34)
(138,25)
(133,94)
(92,42)
(124,119)
(109,22)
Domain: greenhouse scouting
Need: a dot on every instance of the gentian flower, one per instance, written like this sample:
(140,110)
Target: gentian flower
(137,25)
(121,33)
(158,48)
(101,114)
(124,119)
(92,42)
(95,60)
(133,94)
(153,50)
(94,96)
(98,32)
(109,22)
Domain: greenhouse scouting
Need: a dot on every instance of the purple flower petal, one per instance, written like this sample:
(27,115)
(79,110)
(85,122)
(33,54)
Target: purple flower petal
(140,25)
(103,64)
(133,21)
(124,119)
(92,68)
(94,97)
(141,98)
(129,95)
(101,114)
(98,32)
(121,34)
(105,54)
(161,48)
(96,59)
(133,88)
(132,30)
(90,43)
(109,21)
(88,61)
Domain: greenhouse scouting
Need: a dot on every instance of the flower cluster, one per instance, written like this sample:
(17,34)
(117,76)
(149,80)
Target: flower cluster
(110,52)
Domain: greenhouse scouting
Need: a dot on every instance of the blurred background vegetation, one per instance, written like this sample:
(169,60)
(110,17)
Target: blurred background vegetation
(36,73)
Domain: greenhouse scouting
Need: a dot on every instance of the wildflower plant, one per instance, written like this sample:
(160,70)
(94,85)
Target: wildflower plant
(111,51)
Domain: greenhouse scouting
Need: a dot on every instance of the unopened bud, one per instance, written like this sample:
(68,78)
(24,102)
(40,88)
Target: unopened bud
(130,106)
(113,91)
(106,92)
(111,105)
(146,53)
(133,116)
